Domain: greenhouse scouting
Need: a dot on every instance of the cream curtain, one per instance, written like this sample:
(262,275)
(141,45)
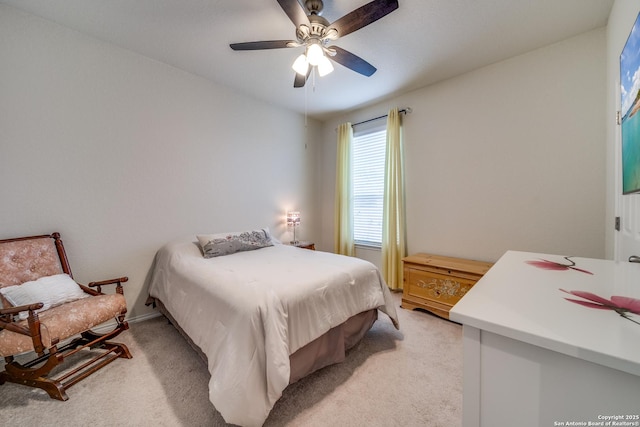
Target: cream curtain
(343,234)
(394,246)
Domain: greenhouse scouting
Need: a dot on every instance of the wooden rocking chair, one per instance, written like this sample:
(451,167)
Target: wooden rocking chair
(40,263)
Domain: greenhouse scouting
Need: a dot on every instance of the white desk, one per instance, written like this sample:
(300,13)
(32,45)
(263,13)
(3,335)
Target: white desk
(532,358)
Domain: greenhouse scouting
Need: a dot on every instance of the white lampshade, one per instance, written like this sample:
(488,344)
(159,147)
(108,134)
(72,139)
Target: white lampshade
(301,66)
(324,66)
(293,218)
(314,54)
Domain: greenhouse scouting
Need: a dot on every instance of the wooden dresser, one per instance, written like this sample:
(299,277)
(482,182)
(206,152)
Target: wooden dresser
(436,283)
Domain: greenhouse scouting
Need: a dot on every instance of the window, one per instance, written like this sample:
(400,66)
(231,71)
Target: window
(368,186)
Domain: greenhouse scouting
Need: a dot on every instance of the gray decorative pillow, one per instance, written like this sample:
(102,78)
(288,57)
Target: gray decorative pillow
(214,245)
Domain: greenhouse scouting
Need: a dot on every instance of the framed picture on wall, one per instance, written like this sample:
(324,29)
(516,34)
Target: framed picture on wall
(630,109)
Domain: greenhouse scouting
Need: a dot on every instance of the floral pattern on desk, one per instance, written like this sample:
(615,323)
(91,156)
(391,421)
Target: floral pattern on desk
(620,304)
(552,265)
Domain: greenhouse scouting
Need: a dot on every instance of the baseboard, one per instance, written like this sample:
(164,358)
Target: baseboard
(131,320)
(144,317)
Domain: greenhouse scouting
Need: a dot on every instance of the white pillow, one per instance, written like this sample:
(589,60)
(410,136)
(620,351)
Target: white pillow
(49,290)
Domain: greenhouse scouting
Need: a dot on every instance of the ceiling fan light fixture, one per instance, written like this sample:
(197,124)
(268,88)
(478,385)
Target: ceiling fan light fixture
(301,65)
(314,54)
(324,66)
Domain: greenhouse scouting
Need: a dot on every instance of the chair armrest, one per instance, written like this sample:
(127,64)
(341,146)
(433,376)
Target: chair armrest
(118,282)
(33,321)
(18,309)
(6,317)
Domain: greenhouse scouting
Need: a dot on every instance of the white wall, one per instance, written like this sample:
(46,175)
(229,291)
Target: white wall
(623,15)
(121,153)
(510,156)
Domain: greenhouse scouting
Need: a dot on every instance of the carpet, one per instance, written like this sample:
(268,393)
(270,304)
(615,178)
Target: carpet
(410,377)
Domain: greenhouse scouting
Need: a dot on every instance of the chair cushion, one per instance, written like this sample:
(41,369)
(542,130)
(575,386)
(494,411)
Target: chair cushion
(65,321)
(26,260)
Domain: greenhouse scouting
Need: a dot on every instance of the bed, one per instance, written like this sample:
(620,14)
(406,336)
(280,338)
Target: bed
(265,318)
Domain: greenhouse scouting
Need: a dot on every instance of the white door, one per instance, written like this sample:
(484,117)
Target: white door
(628,237)
(627,240)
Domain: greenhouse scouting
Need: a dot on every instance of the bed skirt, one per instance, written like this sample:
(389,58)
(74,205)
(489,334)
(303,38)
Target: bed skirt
(325,350)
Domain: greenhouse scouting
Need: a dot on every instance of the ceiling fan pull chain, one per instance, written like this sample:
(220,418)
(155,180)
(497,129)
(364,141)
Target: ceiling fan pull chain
(306,92)
(313,77)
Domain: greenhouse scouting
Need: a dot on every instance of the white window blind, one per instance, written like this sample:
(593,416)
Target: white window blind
(368,186)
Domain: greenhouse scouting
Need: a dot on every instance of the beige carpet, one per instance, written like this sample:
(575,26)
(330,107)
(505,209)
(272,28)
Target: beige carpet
(411,377)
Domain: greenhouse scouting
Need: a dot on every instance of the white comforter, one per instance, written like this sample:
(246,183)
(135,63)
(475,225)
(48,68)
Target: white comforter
(250,310)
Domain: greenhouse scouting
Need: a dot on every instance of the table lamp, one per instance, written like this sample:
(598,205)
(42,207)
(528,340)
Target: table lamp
(293,220)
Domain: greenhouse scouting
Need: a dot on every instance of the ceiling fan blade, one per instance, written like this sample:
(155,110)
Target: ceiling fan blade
(364,16)
(300,80)
(352,61)
(269,44)
(294,11)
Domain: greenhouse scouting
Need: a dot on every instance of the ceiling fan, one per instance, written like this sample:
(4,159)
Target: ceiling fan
(315,33)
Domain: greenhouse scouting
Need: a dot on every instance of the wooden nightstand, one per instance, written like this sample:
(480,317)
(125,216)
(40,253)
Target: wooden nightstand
(304,245)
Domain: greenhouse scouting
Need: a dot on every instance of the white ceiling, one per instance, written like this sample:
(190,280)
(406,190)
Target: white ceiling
(422,42)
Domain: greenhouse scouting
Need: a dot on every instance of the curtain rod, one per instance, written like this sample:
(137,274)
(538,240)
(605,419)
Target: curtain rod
(407,110)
